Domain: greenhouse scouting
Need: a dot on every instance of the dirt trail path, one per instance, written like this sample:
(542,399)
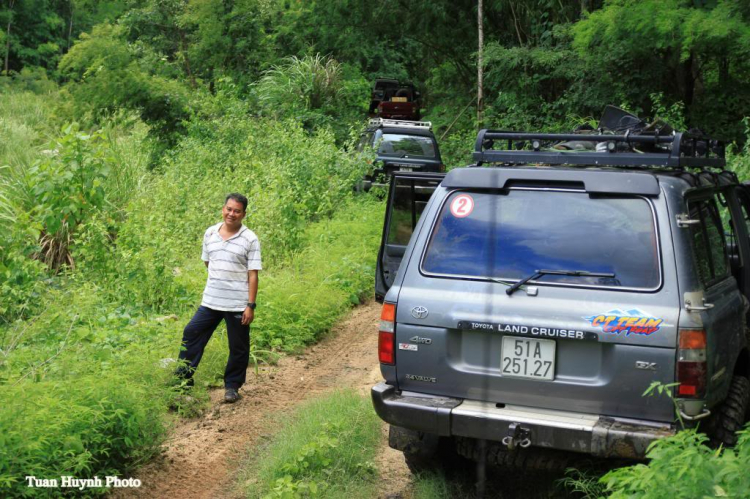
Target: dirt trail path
(202,455)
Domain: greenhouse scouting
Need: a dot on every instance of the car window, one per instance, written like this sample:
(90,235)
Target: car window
(406,146)
(708,241)
(514,234)
(409,202)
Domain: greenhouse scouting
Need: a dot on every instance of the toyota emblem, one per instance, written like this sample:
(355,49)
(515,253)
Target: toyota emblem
(419,312)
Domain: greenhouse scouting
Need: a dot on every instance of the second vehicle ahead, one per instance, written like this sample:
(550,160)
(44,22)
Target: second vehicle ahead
(401,146)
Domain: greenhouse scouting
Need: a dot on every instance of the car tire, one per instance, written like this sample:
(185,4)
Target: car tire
(528,459)
(731,415)
(425,452)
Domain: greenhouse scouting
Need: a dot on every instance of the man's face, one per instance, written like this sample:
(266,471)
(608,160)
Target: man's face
(233,213)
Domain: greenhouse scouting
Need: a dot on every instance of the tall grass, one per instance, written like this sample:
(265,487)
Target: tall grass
(26,124)
(102,424)
(324,449)
(436,486)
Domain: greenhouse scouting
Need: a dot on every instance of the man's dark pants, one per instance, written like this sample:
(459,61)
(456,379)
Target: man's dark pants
(196,336)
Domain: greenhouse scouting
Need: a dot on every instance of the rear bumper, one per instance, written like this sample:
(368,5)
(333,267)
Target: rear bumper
(596,435)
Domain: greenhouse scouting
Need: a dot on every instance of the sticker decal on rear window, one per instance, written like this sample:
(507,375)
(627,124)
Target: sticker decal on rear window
(633,321)
(462,206)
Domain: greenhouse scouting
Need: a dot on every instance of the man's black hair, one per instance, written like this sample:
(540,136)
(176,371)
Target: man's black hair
(239,198)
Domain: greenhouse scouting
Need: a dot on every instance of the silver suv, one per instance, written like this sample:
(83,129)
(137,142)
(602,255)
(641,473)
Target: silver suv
(529,304)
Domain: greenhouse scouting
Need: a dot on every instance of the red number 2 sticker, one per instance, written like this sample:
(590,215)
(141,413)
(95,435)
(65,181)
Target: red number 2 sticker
(462,206)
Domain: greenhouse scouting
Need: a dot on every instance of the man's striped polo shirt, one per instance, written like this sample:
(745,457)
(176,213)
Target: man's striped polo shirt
(228,263)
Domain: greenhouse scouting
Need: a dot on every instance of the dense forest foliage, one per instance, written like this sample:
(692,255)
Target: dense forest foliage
(548,62)
(124,123)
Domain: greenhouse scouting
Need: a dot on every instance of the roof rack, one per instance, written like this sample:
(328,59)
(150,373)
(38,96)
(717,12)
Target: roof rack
(677,150)
(422,125)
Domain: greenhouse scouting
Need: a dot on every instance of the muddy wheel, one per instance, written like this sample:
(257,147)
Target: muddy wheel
(528,459)
(730,416)
(425,452)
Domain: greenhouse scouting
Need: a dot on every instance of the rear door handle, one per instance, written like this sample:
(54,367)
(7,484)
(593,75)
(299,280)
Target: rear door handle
(691,308)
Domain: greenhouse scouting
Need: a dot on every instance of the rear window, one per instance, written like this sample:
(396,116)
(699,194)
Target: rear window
(406,146)
(513,234)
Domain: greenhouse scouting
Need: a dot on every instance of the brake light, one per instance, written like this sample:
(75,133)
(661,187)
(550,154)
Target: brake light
(387,334)
(691,363)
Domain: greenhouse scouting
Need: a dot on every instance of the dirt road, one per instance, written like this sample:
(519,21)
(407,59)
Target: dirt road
(201,456)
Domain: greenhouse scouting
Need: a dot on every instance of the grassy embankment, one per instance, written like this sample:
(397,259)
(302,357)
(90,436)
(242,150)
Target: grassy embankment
(325,448)
(82,370)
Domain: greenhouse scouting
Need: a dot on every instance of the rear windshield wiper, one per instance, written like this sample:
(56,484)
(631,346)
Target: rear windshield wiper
(539,273)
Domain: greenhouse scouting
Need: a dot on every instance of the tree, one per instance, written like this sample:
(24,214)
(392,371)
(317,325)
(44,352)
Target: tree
(697,56)
(9,13)
(105,73)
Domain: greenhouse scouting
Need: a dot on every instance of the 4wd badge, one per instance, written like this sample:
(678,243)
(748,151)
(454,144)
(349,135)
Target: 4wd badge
(419,312)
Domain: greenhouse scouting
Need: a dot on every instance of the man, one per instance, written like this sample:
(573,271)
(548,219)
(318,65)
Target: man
(231,252)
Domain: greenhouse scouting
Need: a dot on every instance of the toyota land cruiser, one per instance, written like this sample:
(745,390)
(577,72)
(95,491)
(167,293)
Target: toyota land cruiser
(401,146)
(531,299)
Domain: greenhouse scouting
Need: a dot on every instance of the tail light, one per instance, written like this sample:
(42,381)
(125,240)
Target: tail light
(691,363)
(387,334)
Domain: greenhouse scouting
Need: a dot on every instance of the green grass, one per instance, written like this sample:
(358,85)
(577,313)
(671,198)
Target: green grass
(324,449)
(435,486)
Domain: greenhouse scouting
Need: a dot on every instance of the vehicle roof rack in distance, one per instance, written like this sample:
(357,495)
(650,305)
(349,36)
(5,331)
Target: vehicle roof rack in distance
(422,125)
(681,150)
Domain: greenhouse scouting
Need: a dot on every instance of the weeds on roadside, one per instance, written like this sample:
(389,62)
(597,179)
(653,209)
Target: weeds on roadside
(682,466)
(437,486)
(324,449)
(584,484)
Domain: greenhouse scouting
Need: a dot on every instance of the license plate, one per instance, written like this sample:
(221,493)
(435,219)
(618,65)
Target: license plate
(528,358)
(406,168)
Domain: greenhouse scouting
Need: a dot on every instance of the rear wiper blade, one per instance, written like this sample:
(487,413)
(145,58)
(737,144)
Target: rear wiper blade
(500,281)
(539,273)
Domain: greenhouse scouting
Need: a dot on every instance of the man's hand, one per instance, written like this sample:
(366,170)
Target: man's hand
(247,316)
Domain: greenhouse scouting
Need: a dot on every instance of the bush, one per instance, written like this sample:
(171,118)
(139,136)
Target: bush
(289,177)
(317,91)
(29,79)
(107,74)
(457,148)
(683,466)
(95,425)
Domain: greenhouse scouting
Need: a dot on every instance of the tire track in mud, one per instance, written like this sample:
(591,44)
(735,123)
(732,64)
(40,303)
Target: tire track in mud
(201,457)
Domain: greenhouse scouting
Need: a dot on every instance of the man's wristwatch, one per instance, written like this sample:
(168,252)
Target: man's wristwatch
(252,305)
